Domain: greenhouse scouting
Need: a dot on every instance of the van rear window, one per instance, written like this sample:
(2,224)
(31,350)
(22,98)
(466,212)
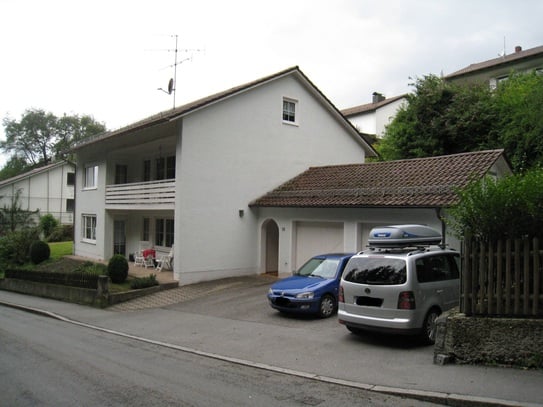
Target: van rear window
(376,271)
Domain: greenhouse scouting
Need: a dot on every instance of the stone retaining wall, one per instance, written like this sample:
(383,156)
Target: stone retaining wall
(493,341)
(97,298)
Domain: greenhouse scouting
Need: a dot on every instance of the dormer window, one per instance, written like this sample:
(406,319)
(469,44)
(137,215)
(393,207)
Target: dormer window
(289,111)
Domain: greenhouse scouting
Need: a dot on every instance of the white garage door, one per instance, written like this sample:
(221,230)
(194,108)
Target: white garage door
(314,238)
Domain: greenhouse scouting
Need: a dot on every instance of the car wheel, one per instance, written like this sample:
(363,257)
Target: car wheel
(429,327)
(327,306)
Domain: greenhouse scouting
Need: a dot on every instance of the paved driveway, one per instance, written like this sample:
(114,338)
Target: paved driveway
(244,299)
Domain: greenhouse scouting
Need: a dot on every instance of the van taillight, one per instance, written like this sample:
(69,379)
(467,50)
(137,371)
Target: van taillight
(406,300)
(341,297)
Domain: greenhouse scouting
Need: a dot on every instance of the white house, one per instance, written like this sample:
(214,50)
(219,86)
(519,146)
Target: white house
(372,118)
(49,189)
(185,177)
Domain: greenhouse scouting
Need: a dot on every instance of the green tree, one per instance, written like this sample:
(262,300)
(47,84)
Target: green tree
(440,118)
(13,217)
(14,166)
(39,136)
(519,102)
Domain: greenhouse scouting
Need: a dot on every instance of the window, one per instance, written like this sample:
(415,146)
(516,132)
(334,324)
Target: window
(121,174)
(165,168)
(145,234)
(160,170)
(170,167)
(436,268)
(289,111)
(147,170)
(70,205)
(89,227)
(164,232)
(70,178)
(91,177)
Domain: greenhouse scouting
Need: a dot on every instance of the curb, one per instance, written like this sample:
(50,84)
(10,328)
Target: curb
(448,399)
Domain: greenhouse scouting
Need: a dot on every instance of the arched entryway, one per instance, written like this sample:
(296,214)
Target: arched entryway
(270,246)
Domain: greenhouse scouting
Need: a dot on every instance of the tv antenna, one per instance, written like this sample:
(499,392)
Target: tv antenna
(172,83)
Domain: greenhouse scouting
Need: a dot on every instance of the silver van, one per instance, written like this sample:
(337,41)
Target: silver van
(401,287)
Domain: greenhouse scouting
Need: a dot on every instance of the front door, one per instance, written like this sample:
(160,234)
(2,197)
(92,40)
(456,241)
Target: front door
(119,237)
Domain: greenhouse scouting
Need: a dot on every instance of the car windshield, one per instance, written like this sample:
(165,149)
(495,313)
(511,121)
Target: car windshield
(320,268)
(377,271)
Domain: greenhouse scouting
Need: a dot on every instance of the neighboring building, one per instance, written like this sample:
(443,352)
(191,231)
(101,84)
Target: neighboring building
(49,189)
(497,69)
(333,208)
(184,177)
(372,118)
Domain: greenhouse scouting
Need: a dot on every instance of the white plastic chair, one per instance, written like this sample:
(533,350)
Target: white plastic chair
(165,261)
(139,260)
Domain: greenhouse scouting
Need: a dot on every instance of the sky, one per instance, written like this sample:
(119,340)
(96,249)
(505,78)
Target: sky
(108,58)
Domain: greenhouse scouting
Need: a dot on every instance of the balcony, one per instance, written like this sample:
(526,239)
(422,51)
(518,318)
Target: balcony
(141,195)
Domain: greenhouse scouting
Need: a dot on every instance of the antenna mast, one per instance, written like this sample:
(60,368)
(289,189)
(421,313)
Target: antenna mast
(172,84)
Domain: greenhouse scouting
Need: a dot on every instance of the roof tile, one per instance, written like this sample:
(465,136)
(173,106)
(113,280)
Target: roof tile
(421,182)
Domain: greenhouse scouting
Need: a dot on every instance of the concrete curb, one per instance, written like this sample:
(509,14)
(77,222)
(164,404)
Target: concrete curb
(449,399)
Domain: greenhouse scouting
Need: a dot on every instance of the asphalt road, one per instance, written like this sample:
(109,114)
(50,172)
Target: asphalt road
(48,362)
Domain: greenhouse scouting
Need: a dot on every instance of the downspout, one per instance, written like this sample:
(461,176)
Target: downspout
(443,226)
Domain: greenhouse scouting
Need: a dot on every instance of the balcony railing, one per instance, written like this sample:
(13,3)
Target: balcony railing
(152,194)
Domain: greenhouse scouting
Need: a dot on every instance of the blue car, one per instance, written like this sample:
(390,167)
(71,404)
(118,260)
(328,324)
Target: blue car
(313,289)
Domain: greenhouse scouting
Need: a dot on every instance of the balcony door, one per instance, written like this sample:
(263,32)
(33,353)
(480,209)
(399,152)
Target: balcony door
(119,237)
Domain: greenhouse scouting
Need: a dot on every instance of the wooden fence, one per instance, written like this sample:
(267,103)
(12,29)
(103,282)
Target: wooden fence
(503,278)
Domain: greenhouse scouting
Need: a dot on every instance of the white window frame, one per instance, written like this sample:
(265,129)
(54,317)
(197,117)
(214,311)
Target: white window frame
(295,113)
(90,177)
(88,228)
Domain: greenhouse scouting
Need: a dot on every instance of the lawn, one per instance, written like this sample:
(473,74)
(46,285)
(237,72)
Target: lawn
(61,249)
(59,262)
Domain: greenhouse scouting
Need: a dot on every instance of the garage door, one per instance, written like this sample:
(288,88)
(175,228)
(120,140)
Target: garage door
(317,238)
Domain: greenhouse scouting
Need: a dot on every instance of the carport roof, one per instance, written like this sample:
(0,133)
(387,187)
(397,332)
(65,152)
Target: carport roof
(421,182)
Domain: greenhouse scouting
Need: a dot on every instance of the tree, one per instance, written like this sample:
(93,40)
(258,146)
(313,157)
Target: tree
(440,118)
(15,166)
(40,136)
(13,217)
(519,102)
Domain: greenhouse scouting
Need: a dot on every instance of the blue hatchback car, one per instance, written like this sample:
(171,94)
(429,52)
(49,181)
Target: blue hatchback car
(313,289)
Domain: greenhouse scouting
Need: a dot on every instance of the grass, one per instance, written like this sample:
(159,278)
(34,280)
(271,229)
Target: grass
(61,249)
(59,262)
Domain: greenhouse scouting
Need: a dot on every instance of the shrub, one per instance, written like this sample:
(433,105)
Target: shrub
(89,267)
(15,246)
(143,282)
(62,233)
(117,269)
(506,208)
(39,251)
(48,223)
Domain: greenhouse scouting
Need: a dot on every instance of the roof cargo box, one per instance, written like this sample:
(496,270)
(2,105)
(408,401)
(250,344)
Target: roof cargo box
(403,236)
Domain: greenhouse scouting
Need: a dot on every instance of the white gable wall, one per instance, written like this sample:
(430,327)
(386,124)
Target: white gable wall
(46,191)
(235,151)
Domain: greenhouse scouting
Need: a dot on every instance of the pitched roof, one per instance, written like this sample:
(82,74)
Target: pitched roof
(178,112)
(495,62)
(370,107)
(421,182)
(35,171)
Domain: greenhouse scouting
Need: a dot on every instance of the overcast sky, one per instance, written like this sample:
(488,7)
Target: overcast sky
(107,58)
